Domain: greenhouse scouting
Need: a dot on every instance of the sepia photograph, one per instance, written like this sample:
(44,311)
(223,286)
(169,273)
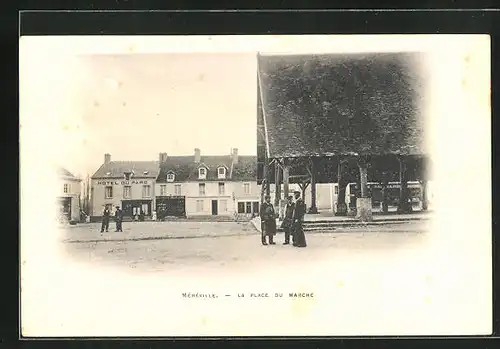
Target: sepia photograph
(305,185)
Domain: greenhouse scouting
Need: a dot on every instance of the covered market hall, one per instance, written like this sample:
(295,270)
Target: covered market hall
(342,118)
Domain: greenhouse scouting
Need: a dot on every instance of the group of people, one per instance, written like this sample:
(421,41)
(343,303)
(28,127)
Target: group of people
(106,216)
(292,223)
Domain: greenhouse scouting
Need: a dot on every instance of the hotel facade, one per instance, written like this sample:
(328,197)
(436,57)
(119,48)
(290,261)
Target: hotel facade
(177,186)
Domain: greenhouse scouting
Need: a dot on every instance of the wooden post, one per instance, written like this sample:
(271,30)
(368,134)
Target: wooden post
(262,191)
(267,176)
(424,195)
(403,182)
(424,167)
(385,194)
(364,202)
(286,178)
(312,172)
(342,185)
(264,181)
(277,184)
(303,187)
(363,177)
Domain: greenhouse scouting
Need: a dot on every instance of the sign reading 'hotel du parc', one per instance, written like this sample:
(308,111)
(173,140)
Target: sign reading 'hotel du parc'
(123,182)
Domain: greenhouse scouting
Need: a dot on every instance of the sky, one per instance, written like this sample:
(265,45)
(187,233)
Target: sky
(134,106)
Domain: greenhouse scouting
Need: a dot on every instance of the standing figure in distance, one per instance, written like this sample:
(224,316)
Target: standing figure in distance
(105,219)
(298,220)
(286,225)
(118,218)
(268,219)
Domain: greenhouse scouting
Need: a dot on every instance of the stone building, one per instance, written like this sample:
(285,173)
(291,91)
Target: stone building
(69,195)
(177,186)
(207,185)
(128,184)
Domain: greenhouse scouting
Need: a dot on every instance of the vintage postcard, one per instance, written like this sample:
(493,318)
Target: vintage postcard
(255,186)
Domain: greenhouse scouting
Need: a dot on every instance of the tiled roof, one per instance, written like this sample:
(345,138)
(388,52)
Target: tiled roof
(62,172)
(318,105)
(116,169)
(186,169)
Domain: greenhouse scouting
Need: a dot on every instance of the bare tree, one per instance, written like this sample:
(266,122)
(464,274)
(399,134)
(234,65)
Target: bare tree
(86,193)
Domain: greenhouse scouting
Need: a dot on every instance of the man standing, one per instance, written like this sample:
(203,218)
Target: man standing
(105,219)
(286,225)
(118,218)
(298,219)
(268,221)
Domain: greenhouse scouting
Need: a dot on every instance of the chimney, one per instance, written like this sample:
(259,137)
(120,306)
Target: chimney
(197,155)
(234,155)
(107,158)
(163,157)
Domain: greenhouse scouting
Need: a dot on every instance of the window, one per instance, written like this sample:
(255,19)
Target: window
(255,207)
(177,189)
(145,209)
(201,187)
(146,191)
(202,173)
(127,175)
(336,190)
(248,207)
(163,190)
(241,207)
(108,192)
(145,173)
(199,205)
(127,192)
(221,171)
(223,205)
(66,188)
(222,189)
(246,188)
(170,177)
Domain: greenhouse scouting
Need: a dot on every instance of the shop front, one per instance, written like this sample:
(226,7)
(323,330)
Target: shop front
(248,207)
(137,209)
(170,206)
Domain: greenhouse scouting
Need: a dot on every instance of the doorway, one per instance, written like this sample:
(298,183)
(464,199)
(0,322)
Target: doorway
(65,208)
(214,208)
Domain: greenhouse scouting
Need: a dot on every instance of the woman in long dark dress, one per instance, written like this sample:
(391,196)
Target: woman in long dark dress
(298,220)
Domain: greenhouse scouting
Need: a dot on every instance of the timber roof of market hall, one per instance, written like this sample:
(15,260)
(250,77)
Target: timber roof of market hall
(117,169)
(338,104)
(186,169)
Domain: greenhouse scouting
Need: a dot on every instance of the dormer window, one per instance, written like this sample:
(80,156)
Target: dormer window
(108,173)
(145,173)
(202,173)
(221,172)
(170,177)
